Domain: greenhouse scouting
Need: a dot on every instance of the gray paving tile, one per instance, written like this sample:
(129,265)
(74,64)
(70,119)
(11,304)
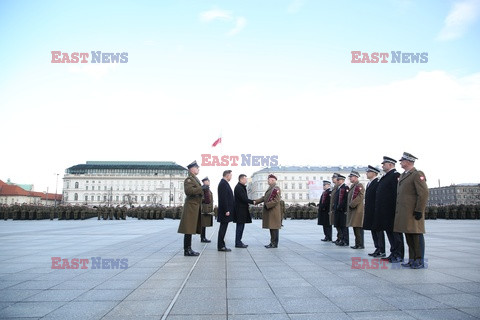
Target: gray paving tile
(275,316)
(475,311)
(103,295)
(56,295)
(457,300)
(29,309)
(445,314)
(139,308)
(321,316)
(363,304)
(7,295)
(381,315)
(199,307)
(254,306)
(82,310)
(252,293)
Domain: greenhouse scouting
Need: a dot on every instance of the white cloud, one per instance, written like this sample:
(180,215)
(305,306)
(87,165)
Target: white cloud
(459,19)
(214,14)
(239,25)
(219,14)
(94,70)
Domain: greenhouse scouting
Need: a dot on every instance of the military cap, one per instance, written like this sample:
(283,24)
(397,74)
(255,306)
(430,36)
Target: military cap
(339,176)
(206,178)
(193,164)
(354,174)
(373,169)
(409,157)
(335,175)
(272,176)
(389,160)
(326,182)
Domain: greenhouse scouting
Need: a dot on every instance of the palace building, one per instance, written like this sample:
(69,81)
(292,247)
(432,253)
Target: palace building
(131,183)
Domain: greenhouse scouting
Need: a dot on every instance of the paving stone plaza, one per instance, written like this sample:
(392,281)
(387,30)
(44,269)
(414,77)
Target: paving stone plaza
(302,279)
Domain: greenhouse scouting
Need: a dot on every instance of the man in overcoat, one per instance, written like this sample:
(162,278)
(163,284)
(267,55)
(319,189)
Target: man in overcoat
(190,221)
(272,212)
(370,195)
(340,211)
(241,213)
(226,209)
(385,202)
(412,197)
(355,208)
(324,210)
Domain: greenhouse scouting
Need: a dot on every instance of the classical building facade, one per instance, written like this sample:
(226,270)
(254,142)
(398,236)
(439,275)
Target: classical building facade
(468,193)
(300,184)
(131,183)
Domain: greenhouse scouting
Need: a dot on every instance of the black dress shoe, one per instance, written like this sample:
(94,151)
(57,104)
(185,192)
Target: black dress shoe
(407,264)
(205,240)
(396,260)
(190,253)
(342,244)
(373,254)
(225,249)
(388,258)
(355,247)
(241,245)
(325,239)
(417,265)
(270,246)
(380,255)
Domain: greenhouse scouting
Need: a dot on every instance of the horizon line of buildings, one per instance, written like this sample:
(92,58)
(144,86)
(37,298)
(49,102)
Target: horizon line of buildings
(151,183)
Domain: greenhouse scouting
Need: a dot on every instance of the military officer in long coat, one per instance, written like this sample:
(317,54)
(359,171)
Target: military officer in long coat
(340,211)
(226,208)
(412,197)
(370,194)
(272,212)
(324,210)
(355,208)
(332,197)
(207,209)
(241,214)
(385,202)
(190,221)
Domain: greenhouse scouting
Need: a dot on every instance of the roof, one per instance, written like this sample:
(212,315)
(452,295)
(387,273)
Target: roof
(282,169)
(14,190)
(124,165)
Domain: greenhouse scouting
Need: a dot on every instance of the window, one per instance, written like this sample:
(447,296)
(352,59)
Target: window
(300,185)
(141,198)
(93,187)
(75,196)
(93,198)
(148,198)
(300,196)
(98,198)
(86,198)
(116,198)
(293,196)
(293,185)
(86,188)
(286,185)
(286,196)
(76,186)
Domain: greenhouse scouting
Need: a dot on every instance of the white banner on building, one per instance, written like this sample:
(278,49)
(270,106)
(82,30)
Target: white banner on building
(315,189)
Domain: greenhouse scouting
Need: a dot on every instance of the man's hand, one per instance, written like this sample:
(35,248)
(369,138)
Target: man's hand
(227,213)
(418,215)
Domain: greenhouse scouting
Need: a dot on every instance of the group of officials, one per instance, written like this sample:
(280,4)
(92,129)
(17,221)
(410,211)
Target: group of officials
(393,204)
(232,206)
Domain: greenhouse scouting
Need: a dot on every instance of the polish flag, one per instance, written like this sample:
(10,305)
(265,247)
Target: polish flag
(217,142)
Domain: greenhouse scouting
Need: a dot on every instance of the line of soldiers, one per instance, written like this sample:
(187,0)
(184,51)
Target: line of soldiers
(39,212)
(394,204)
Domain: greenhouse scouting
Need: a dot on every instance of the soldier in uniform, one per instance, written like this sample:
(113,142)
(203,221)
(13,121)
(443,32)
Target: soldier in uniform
(271,214)
(241,213)
(340,211)
(324,210)
(412,197)
(190,221)
(207,209)
(385,201)
(331,213)
(355,208)
(370,194)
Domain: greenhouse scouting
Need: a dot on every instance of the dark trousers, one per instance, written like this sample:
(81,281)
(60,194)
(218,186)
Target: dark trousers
(397,246)
(344,235)
(415,247)
(422,246)
(187,241)
(203,235)
(274,234)
(327,231)
(239,233)
(379,241)
(221,235)
(358,232)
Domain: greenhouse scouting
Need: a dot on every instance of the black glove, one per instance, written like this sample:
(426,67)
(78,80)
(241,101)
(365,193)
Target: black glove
(418,215)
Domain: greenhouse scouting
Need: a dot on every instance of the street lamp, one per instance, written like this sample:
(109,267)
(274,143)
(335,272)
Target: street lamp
(56,185)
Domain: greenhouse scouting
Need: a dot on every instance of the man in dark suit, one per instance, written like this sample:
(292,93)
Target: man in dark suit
(241,213)
(323,211)
(340,211)
(225,209)
(370,195)
(385,202)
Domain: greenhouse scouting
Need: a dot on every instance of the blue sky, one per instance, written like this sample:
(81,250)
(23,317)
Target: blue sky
(248,69)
